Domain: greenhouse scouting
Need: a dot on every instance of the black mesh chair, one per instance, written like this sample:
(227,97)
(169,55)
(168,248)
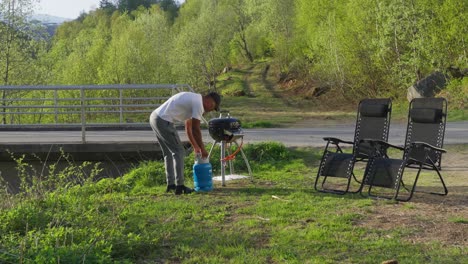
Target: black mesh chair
(373,121)
(422,151)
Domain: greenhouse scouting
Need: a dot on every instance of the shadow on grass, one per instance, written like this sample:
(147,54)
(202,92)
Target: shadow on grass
(457,194)
(274,191)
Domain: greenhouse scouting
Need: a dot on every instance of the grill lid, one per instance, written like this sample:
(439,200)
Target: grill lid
(223,129)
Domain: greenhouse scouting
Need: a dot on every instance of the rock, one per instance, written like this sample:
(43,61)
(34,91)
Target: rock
(392,261)
(321,90)
(226,69)
(428,86)
(456,72)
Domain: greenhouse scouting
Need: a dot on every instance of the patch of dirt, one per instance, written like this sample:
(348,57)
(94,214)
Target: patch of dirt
(431,218)
(305,93)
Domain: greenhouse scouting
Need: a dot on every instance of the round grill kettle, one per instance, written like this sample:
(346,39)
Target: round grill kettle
(224,128)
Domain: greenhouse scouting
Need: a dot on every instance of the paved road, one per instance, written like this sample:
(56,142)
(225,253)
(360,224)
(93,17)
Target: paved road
(456,133)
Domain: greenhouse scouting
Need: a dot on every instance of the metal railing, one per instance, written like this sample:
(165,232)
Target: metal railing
(81,106)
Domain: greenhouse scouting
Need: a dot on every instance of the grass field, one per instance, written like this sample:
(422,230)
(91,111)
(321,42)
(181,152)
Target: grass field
(276,218)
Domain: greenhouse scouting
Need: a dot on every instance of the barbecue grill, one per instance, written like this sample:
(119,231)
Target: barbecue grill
(226,130)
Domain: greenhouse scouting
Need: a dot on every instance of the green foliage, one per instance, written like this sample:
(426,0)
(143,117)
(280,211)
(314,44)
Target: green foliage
(457,93)
(52,177)
(277,218)
(24,218)
(22,44)
(359,48)
(200,54)
(268,152)
(377,48)
(146,175)
(259,124)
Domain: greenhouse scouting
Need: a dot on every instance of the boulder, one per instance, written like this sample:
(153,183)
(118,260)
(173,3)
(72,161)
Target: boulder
(428,86)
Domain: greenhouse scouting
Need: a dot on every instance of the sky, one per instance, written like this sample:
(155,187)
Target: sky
(65,8)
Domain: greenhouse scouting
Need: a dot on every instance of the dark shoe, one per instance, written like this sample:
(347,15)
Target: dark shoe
(182,189)
(171,188)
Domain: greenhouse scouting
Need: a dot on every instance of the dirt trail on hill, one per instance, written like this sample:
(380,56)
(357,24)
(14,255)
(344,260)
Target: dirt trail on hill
(264,80)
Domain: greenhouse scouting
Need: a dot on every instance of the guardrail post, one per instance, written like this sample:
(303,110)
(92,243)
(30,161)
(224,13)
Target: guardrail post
(83,116)
(121,105)
(55,106)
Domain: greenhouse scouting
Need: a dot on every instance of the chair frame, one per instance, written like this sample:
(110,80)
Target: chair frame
(426,163)
(357,155)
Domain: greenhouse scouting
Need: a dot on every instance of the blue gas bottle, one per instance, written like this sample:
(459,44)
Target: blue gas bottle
(202,175)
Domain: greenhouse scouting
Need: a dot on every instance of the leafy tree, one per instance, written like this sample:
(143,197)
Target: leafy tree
(316,21)
(444,32)
(242,22)
(138,51)
(279,16)
(109,6)
(21,42)
(202,45)
(130,5)
(79,48)
(259,33)
(170,6)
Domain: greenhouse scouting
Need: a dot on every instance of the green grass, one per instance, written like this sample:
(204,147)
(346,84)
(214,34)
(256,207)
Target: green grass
(277,218)
(457,115)
(459,220)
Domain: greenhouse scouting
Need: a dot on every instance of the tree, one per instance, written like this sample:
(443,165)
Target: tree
(109,6)
(79,48)
(21,42)
(138,51)
(243,20)
(202,44)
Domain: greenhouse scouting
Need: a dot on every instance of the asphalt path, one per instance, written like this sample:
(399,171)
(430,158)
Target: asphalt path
(456,133)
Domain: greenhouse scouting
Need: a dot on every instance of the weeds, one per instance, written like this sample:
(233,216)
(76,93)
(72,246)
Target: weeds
(51,177)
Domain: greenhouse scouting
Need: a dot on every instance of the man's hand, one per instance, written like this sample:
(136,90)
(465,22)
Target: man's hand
(192,128)
(197,151)
(202,152)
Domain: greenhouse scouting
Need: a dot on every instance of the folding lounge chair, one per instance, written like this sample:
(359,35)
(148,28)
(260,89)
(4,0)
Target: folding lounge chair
(373,121)
(422,151)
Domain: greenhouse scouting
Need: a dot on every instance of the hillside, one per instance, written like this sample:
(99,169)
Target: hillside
(261,97)
(51,23)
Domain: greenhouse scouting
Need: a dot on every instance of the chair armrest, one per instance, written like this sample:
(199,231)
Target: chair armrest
(380,142)
(337,140)
(419,144)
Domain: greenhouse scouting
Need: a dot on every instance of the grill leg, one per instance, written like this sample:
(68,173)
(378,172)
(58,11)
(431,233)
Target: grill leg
(212,147)
(223,163)
(231,164)
(224,148)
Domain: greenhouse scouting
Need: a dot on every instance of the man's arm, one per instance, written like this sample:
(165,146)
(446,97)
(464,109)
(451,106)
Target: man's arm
(192,128)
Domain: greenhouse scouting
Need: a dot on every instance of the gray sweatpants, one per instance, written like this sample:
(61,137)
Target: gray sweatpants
(172,149)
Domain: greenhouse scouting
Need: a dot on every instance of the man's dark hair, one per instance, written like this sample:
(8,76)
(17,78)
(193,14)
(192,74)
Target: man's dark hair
(216,98)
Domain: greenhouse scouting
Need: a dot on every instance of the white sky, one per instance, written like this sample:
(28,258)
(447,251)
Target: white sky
(65,8)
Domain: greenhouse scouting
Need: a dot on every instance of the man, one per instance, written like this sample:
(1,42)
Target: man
(185,107)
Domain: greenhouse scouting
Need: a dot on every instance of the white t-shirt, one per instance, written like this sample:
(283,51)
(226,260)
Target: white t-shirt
(180,107)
